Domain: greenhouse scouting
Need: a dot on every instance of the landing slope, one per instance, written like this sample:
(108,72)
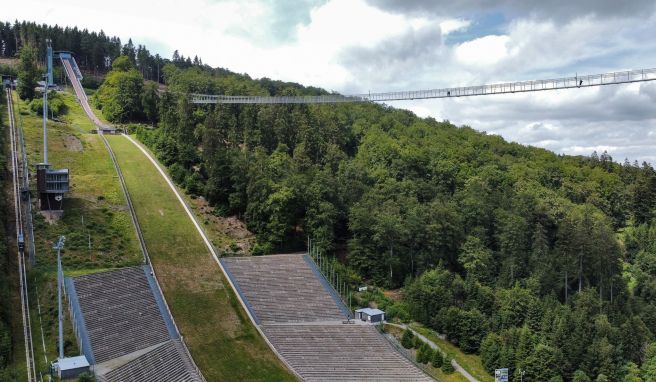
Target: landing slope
(222,341)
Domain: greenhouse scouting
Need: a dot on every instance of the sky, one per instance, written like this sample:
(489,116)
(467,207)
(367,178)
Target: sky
(360,46)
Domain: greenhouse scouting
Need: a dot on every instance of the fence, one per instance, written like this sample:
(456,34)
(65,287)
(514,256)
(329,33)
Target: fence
(327,268)
(404,352)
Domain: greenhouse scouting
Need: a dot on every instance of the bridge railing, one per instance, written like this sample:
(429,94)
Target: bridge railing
(620,77)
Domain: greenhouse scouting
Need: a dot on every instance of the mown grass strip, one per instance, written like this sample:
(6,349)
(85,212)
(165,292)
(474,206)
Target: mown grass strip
(223,343)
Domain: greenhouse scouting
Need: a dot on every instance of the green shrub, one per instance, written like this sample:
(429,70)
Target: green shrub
(580,376)
(447,367)
(86,377)
(260,249)
(89,82)
(437,359)
(398,310)
(425,354)
(407,340)
(417,344)
(56,105)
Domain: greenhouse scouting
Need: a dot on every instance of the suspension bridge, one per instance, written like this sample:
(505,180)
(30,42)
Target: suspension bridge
(612,78)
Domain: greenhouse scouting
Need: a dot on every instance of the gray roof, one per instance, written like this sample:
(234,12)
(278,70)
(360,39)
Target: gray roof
(370,311)
(72,363)
(57,171)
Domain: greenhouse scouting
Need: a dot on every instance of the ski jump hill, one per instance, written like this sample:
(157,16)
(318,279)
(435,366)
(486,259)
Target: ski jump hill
(128,334)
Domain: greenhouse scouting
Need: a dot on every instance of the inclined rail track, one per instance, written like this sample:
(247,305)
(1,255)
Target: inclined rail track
(20,238)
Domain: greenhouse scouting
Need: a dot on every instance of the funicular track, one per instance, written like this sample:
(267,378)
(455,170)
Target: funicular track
(19,176)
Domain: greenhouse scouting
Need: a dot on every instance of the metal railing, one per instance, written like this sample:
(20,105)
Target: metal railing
(612,78)
(404,352)
(326,267)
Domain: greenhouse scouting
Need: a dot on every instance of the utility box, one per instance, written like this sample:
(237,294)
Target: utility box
(71,367)
(51,185)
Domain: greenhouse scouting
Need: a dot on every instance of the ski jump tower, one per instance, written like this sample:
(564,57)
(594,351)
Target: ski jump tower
(51,183)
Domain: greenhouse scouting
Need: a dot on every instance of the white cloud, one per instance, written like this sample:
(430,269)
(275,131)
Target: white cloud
(452,25)
(351,46)
(483,51)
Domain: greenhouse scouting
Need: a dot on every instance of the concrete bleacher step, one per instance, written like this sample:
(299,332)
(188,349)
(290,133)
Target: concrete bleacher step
(168,362)
(302,320)
(283,288)
(120,312)
(340,353)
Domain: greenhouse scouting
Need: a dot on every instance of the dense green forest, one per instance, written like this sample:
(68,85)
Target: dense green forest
(535,261)
(93,51)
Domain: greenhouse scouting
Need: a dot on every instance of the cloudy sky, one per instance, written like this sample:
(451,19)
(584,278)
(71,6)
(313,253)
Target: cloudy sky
(356,46)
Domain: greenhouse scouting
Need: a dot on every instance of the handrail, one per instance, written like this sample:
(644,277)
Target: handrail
(404,352)
(611,78)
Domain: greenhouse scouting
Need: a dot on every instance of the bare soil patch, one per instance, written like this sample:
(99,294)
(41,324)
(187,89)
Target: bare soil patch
(72,143)
(230,226)
(393,294)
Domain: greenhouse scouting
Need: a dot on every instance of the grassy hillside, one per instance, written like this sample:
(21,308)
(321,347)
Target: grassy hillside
(437,373)
(95,208)
(96,222)
(222,341)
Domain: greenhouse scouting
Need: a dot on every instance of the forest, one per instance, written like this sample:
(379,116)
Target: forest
(94,51)
(536,261)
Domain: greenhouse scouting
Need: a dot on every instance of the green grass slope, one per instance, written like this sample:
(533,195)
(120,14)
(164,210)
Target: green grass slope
(223,342)
(96,221)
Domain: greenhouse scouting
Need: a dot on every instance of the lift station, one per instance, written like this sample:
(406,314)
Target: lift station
(51,183)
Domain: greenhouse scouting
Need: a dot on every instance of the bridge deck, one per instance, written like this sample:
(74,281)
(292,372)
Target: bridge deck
(612,78)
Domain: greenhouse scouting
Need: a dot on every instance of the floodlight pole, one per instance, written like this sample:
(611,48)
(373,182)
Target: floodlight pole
(47,81)
(60,280)
(45,119)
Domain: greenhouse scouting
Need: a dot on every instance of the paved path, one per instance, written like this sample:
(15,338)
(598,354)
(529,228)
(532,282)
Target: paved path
(432,344)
